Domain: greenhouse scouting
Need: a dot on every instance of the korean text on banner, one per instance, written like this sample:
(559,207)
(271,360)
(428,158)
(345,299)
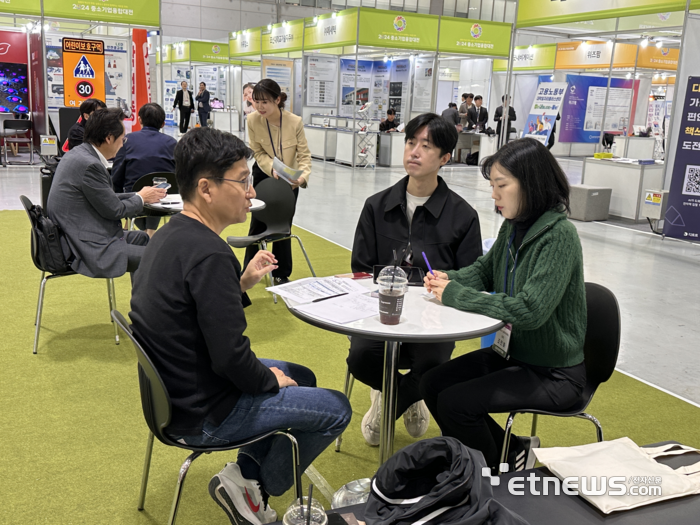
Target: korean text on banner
(474,37)
(682,218)
(529,58)
(140,77)
(133,12)
(331,31)
(403,30)
(545,107)
(83,70)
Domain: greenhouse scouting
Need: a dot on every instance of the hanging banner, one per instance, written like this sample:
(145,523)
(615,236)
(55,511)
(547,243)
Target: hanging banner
(653,57)
(474,37)
(133,12)
(536,12)
(39,102)
(322,78)
(381,28)
(117,84)
(140,75)
(593,55)
(582,110)
(83,70)
(529,58)
(208,52)
(280,71)
(283,38)
(682,219)
(545,107)
(245,43)
(331,30)
(170,88)
(423,84)
(347,84)
(180,52)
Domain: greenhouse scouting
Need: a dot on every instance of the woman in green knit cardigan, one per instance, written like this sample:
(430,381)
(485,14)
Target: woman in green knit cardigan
(535,271)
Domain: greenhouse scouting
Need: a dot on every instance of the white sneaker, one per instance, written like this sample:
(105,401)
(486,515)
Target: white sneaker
(240,498)
(416,419)
(372,421)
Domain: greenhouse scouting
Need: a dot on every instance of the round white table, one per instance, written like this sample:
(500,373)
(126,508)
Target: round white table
(172,204)
(424,319)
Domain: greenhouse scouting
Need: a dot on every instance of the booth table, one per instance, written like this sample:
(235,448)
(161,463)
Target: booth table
(173,206)
(334,121)
(321,140)
(225,120)
(425,320)
(628,182)
(634,147)
(486,145)
(391,147)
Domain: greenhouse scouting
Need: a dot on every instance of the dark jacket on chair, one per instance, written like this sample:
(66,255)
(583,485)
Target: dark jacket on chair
(446,228)
(83,203)
(146,151)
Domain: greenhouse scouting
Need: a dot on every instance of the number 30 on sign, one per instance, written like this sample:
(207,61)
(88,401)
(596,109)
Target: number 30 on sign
(83,71)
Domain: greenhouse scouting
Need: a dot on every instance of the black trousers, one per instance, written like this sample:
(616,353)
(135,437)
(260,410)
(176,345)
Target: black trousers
(185,114)
(203,117)
(462,393)
(282,250)
(366,364)
(147,223)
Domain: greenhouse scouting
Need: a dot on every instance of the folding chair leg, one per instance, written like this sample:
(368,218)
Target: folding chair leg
(533,432)
(113,306)
(180,481)
(297,465)
(39,309)
(349,382)
(301,245)
(598,427)
(506,442)
(146,470)
(43,274)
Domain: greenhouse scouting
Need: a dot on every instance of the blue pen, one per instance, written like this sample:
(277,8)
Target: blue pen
(425,258)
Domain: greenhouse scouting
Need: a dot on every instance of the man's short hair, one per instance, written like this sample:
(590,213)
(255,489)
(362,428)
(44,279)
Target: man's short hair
(102,124)
(205,84)
(152,115)
(206,153)
(440,132)
(451,105)
(478,97)
(391,111)
(91,105)
(465,95)
(470,95)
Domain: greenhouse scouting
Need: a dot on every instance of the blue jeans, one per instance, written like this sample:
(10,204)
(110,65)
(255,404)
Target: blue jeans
(315,416)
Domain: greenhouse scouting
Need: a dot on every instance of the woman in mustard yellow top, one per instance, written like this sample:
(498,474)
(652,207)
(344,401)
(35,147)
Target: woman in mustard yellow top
(275,132)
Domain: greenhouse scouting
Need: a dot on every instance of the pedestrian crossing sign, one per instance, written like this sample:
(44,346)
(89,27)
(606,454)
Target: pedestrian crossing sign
(83,69)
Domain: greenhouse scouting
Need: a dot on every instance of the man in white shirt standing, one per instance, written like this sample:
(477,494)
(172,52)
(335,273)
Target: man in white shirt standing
(185,103)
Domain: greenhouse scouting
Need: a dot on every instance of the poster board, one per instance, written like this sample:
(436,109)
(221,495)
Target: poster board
(322,81)
(280,70)
(423,84)
(347,84)
(83,70)
(545,107)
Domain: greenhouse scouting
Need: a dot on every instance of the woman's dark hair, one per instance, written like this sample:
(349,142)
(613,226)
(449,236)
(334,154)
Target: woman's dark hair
(543,184)
(441,133)
(90,105)
(152,115)
(102,124)
(268,89)
(206,152)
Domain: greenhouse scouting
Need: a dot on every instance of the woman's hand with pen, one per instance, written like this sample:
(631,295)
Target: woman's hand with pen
(435,283)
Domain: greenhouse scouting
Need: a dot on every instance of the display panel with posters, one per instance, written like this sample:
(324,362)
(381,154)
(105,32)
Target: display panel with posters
(280,70)
(170,88)
(545,108)
(398,87)
(381,80)
(250,77)
(322,77)
(347,84)
(423,84)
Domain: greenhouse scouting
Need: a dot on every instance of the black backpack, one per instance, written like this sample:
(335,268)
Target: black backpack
(48,235)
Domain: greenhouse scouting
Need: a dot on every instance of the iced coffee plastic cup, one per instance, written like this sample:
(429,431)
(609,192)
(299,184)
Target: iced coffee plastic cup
(393,285)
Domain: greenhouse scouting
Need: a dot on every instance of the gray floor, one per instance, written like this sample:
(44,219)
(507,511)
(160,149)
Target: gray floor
(652,278)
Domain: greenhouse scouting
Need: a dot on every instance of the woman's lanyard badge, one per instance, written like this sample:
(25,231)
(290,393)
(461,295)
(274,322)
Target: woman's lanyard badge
(502,342)
(272,142)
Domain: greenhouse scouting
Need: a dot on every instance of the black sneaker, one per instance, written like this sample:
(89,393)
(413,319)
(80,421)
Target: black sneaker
(525,457)
(280,280)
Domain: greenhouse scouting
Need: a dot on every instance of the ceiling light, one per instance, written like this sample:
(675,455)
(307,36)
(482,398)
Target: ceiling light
(386,58)
(628,76)
(645,42)
(551,78)
(529,48)
(658,44)
(284,23)
(47,27)
(663,76)
(269,27)
(334,14)
(315,19)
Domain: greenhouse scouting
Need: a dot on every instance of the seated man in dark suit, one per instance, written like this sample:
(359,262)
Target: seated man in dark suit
(478,115)
(83,203)
(417,214)
(147,151)
(87,108)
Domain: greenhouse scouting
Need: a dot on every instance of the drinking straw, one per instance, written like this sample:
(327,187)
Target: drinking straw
(308,508)
(391,288)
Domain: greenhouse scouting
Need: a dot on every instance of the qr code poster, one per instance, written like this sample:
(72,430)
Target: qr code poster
(691,183)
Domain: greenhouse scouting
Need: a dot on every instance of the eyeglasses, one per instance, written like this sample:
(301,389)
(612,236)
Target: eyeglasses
(247,182)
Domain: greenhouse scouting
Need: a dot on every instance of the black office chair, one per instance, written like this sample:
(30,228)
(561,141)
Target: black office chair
(45,278)
(11,131)
(277,216)
(601,348)
(157,410)
(147,180)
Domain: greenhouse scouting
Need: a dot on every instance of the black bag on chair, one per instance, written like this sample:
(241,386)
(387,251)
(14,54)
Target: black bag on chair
(49,246)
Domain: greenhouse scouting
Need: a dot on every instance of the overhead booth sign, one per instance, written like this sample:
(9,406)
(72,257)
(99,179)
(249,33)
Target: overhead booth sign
(331,30)
(398,30)
(474,37)
(529,58)
(83,70)
(133,12)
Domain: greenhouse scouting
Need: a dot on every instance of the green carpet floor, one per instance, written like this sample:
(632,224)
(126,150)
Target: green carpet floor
(72,433)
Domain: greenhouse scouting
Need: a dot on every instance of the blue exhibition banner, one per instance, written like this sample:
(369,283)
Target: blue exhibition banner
(582,111)
(545,107)
(682,219)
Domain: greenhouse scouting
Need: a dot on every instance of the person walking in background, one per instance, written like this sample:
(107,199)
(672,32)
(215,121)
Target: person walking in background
(185,103)
(203,107)
(275,132)
(499,118)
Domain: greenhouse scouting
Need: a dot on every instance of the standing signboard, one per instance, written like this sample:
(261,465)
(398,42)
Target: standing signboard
(545,107)
(83,70)
(682,219)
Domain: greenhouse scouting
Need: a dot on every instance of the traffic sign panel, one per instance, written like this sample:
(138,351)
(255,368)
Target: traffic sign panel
(83,71)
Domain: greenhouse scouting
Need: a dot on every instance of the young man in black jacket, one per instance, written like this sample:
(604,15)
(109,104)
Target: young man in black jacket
(418,214)
(187,312)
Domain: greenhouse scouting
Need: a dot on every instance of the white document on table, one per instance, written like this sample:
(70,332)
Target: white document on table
(307,290)
(344,309)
